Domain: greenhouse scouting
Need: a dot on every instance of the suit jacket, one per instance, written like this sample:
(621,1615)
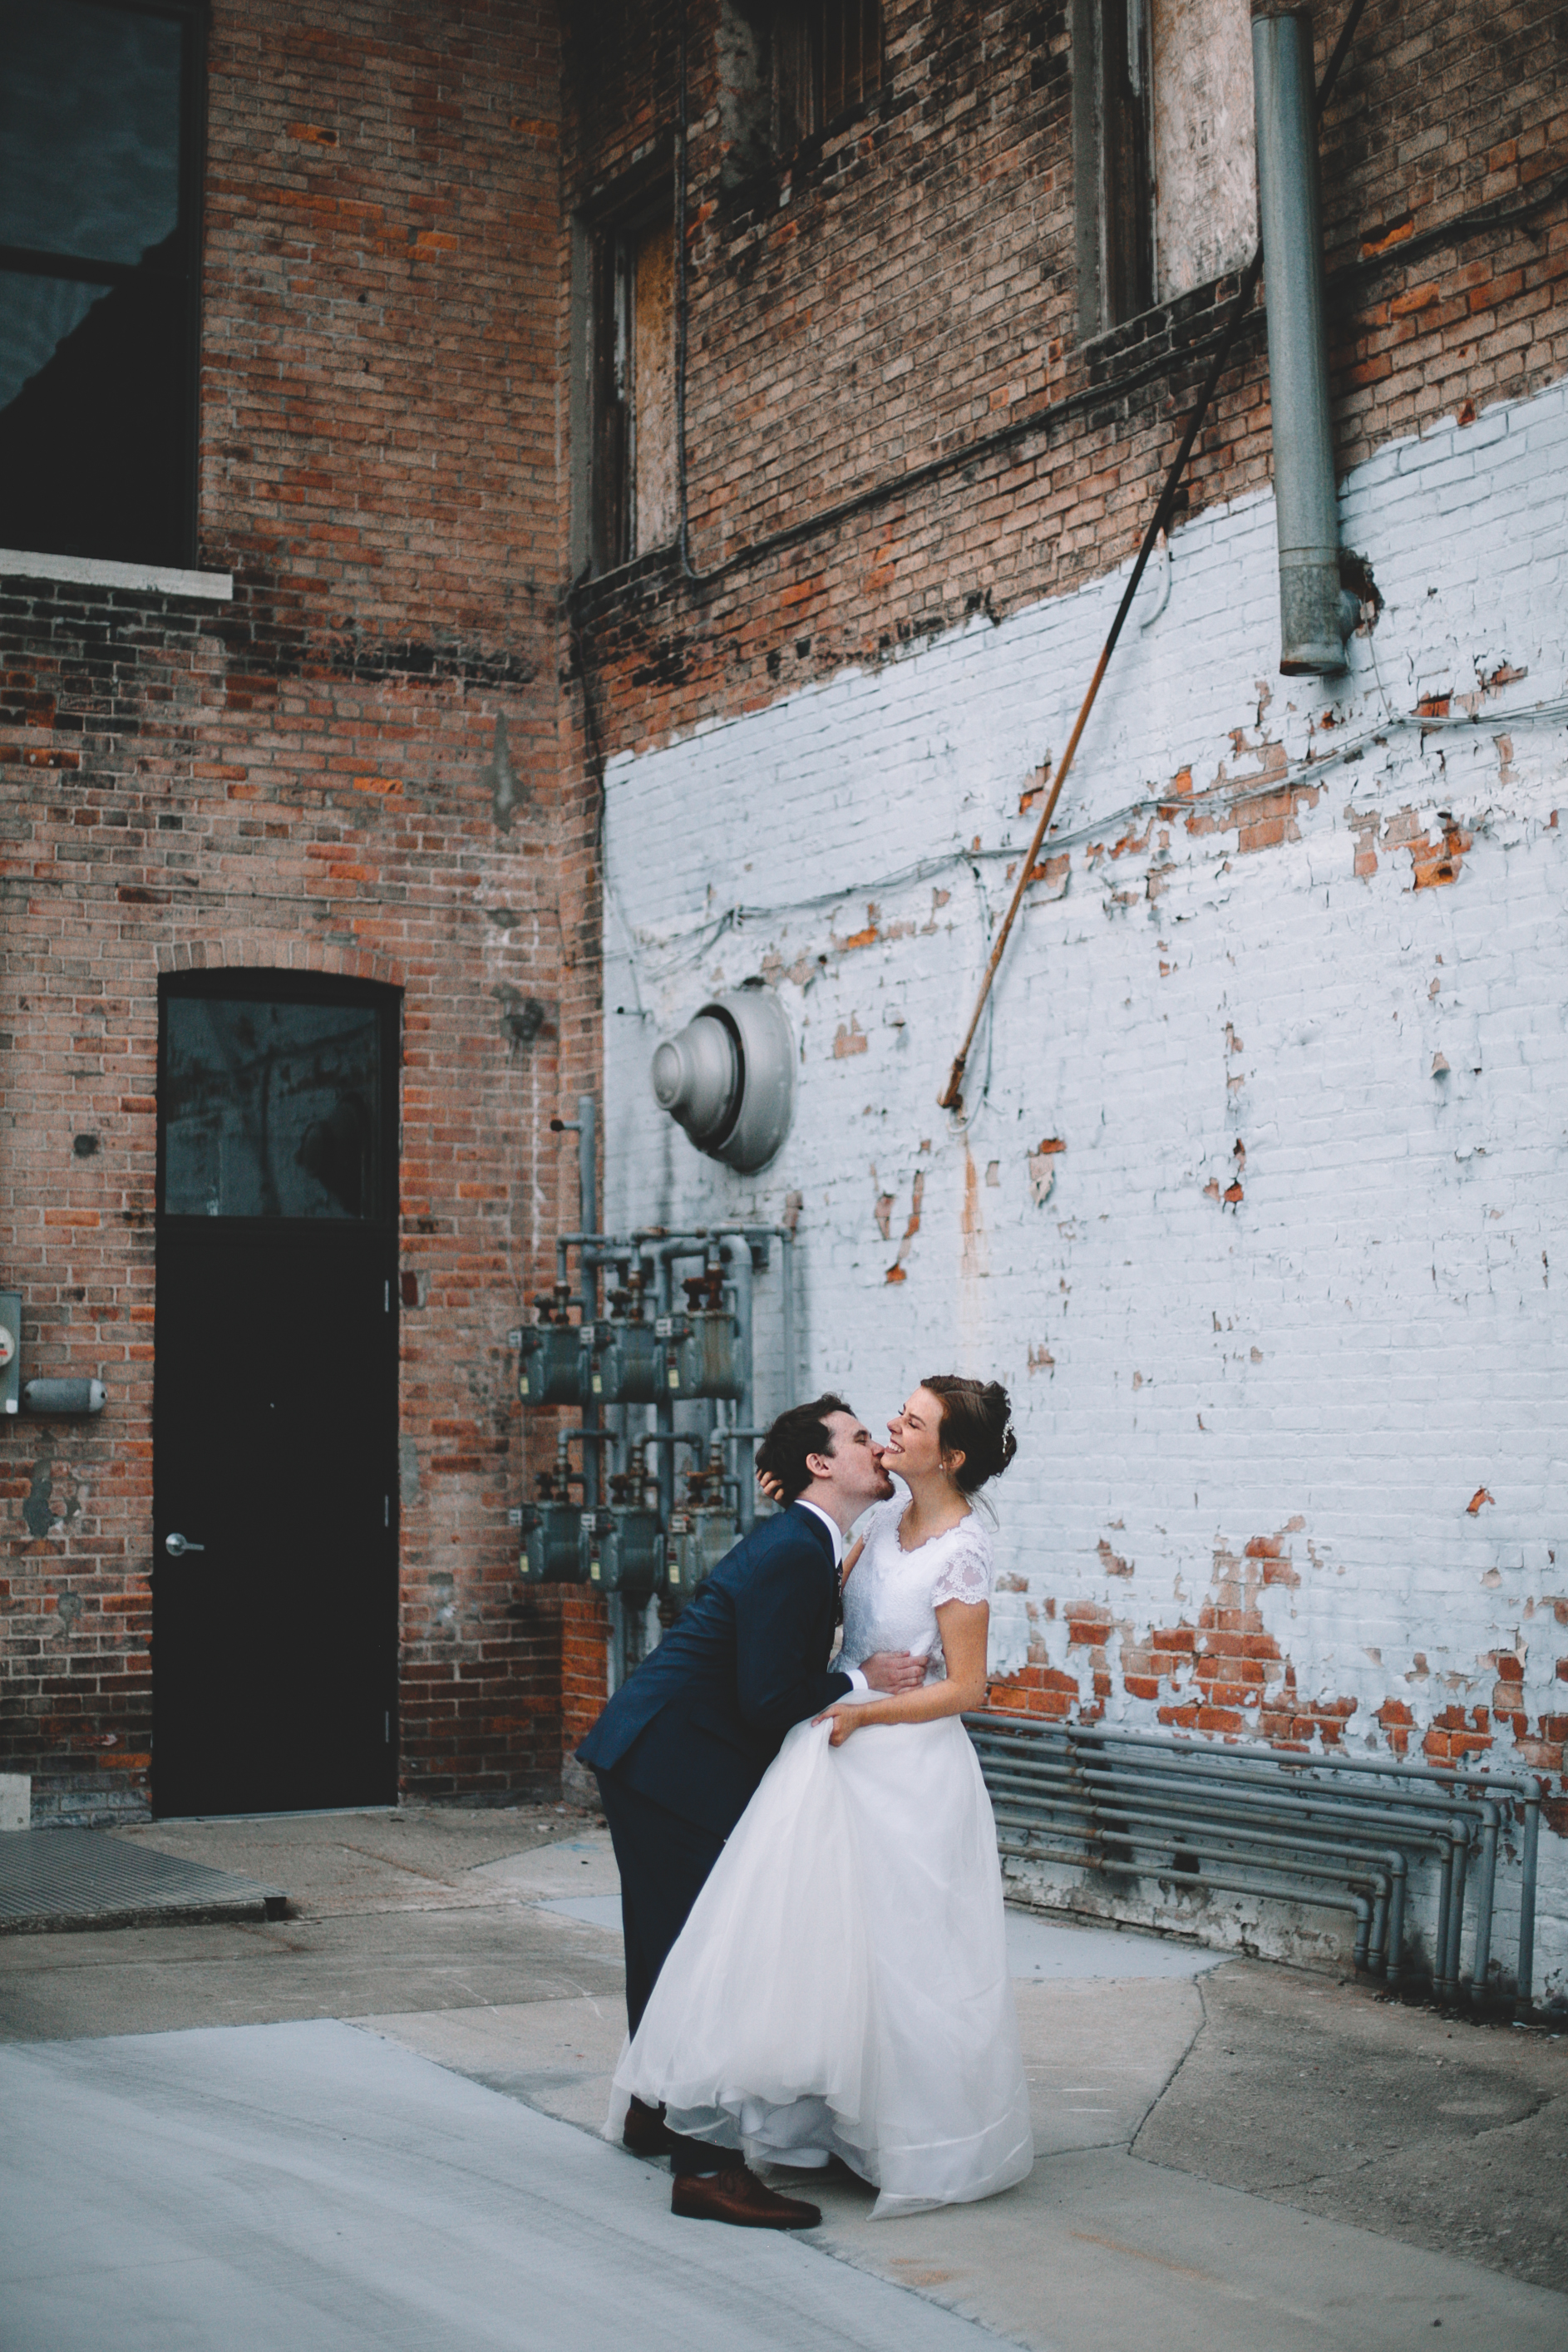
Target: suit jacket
(698,1724)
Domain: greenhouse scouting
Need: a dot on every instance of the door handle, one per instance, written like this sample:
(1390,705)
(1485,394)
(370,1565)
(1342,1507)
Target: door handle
(177,1547)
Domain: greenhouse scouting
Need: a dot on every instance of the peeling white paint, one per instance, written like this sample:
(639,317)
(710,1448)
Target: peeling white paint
(1331,1272)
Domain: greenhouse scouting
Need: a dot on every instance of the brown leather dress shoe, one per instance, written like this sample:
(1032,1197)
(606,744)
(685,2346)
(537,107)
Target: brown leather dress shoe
(645,2131)
(738,2197)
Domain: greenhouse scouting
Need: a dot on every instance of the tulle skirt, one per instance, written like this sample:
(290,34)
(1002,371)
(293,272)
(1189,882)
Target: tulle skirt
(841,1986)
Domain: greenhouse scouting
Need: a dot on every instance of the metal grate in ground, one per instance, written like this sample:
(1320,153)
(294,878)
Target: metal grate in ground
(53,1879)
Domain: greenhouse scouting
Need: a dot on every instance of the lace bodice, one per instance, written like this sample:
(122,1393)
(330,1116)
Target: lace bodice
(892,1596)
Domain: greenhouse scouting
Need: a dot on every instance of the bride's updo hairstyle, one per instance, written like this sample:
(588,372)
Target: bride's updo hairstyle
(977,1420)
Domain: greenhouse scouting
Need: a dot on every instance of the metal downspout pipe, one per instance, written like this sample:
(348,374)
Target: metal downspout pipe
(1525,1971)
(1314,619)
(786,1281)
(745,1412)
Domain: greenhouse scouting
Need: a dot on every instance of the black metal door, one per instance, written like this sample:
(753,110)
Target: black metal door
(274,1578)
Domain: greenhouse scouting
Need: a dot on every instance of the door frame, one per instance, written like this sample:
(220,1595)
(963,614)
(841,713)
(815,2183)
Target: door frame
(268,984)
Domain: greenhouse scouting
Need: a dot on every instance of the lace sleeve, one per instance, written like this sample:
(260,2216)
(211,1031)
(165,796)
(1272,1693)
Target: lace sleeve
(965,1573)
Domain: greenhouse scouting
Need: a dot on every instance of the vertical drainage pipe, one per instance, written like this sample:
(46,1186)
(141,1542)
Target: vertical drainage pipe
(1446,1984)
(1485,1889)
(1525,1974)
(1306,505)
(588,1271)
(786,1283)
(743,1413)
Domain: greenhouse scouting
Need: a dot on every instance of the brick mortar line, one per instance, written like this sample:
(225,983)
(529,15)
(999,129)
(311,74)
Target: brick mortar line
(219,901)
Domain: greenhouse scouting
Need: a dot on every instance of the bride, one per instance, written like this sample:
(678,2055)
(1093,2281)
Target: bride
(840,1988)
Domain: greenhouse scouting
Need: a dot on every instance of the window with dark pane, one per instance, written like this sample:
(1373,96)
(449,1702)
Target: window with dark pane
(849,53)
(271,1109)
(1128,195)
(827,61)
(631,482)
(99,164)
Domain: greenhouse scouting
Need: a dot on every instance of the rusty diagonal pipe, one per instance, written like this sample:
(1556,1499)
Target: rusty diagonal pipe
(952,1095)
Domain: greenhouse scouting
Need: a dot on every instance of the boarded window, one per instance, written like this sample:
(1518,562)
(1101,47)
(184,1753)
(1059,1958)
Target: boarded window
(1206,159)
(632,486)
(1164,151)
(100,129)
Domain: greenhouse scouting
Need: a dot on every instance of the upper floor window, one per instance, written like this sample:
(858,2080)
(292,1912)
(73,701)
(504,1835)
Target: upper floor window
(100,248)
(789,69)
(827,61)
(1163,147)
(626,490)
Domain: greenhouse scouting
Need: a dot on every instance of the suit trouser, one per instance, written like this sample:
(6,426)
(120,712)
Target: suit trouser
(664,1863)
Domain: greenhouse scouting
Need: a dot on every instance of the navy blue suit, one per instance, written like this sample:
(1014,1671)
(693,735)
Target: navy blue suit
(681,1746)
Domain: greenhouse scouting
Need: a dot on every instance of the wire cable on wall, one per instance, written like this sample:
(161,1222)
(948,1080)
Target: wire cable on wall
(680,950)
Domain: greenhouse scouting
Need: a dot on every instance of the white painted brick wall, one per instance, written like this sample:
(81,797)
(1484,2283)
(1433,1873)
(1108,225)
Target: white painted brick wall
(1373,1334)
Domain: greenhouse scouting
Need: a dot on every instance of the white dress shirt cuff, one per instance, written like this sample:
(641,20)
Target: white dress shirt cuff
(857,1683)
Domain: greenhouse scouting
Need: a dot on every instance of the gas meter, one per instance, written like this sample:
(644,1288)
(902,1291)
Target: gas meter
(701,1530)
(701,1358)
(628,1358)
(555,1355)
(552,1553)
(621,1547)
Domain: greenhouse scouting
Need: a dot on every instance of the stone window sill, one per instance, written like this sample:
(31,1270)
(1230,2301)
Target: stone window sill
(93,572)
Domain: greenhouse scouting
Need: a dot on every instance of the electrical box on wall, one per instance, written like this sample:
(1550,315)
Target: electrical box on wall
(63,1400)
(10,1351)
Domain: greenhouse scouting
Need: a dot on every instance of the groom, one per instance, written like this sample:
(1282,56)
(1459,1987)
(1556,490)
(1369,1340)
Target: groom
(680,1748)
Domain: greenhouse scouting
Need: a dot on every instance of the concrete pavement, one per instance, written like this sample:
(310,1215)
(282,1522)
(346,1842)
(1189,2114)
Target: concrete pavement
(310,2188)
(1212,2135)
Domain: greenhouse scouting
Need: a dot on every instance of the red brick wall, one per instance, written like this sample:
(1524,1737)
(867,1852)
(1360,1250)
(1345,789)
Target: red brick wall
(903,291)
(303,777)
(584,1630)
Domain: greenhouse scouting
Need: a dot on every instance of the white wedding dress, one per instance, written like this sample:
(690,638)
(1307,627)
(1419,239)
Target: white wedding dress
(841,1986)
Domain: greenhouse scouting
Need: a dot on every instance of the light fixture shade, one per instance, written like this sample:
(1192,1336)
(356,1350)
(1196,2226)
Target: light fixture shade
(728,1077)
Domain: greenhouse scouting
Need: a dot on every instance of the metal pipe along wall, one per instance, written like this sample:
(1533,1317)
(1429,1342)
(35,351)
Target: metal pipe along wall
(1306,505)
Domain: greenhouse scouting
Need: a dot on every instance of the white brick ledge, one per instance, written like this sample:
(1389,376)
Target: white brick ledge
(94,571)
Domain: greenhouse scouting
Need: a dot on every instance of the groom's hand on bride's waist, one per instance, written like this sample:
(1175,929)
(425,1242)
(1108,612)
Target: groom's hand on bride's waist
(893,1671)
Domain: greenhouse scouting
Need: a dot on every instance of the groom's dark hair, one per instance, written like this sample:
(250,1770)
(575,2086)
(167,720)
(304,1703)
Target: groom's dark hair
(801,1430)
